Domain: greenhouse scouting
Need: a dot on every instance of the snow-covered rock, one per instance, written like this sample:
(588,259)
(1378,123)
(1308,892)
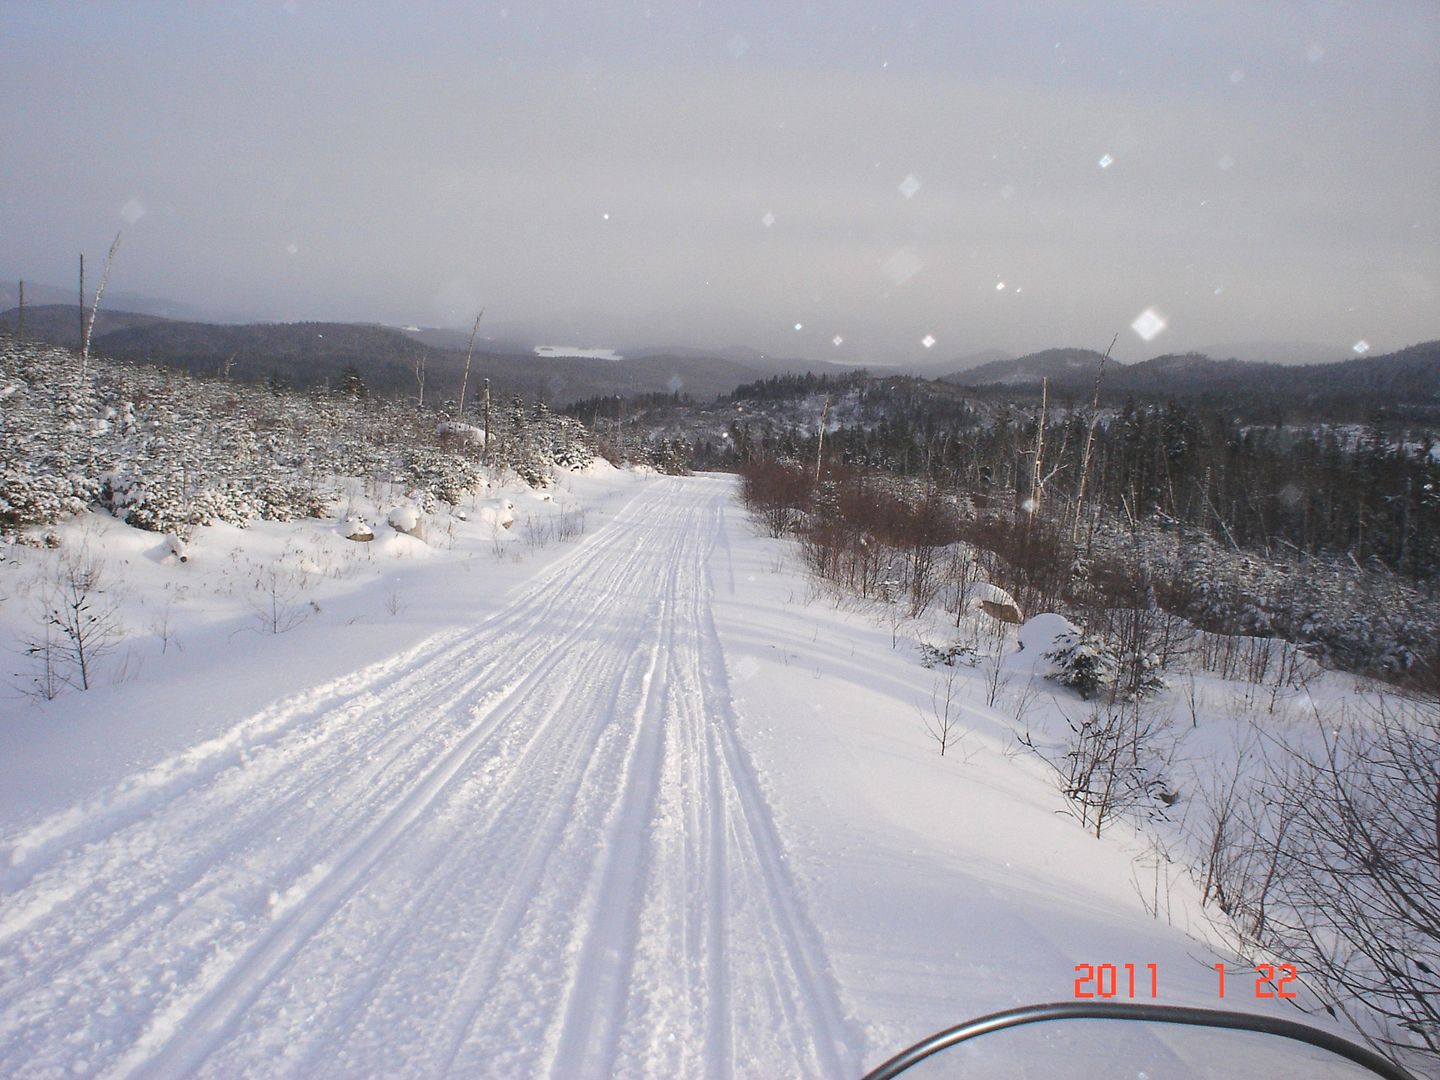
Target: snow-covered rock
(407,520)
(496,513)
(354,529)
(994,601)
(469,434)
(1039,633)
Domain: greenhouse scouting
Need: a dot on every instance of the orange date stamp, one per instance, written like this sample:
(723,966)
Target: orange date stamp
(1136,981)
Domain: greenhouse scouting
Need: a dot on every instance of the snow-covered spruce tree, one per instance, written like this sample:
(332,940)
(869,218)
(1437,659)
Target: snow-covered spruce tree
(1140,675)
(1082,662)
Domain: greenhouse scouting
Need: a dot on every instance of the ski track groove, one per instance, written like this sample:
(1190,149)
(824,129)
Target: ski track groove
(531,847)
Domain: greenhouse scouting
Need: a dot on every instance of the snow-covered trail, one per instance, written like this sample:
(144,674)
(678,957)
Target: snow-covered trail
(533,847)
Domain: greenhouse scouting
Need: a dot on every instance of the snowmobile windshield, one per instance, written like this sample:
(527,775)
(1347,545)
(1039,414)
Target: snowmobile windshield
(1082,1041)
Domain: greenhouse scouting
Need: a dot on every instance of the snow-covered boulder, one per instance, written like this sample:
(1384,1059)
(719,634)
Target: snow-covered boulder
(994,601)
(352,528)
(468,434)
(1039,633)
(496,513)
(407,520)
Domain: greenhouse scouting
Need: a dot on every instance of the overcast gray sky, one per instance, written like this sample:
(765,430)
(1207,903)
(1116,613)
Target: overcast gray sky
(1011,175)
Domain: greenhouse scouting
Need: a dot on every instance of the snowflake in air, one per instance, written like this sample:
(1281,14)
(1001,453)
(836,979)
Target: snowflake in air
(1148,324)
(902,265)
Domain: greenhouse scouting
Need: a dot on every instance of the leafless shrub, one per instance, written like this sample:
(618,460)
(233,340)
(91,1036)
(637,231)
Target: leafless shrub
(1354,899)
(275,598)
(776,494)
(537,532)
(962,573)
(1023,700)
(80,624)
(1113,765)
(942,719)
(922,528)
(1154,875)
(163,627)
(46,677)
(569,524)
(996,677)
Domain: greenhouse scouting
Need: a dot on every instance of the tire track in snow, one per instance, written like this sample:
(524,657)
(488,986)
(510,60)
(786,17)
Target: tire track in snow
(758,996)
(535,847)
(179,1040)
(39,846)
(87,883)
(34,998)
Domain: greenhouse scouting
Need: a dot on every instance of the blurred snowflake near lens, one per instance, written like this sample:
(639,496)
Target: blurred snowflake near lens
(1315,53)
(928,340)
(1106,161)
(799,326)
(132,211)
(1361,347)
(901,266)
(738,46)
(909,186)
(768,219)
(292,249)
(1148,324)
(838,340)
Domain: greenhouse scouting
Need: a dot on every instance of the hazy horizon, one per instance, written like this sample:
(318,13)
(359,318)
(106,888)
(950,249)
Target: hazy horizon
(985,179)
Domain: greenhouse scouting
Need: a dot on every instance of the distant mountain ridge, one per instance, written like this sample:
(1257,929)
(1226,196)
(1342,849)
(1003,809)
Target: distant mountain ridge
(1406,382)
(1063,367)
(314,354)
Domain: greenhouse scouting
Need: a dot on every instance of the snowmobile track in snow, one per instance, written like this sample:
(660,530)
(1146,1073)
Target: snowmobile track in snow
(534,847)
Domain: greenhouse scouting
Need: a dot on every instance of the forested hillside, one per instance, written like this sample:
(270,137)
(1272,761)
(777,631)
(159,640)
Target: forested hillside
(167,451)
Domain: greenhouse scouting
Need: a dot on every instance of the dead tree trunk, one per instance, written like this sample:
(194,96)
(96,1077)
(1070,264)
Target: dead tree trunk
(468,354)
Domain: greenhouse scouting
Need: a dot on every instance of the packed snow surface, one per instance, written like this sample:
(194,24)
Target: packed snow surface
(651,810)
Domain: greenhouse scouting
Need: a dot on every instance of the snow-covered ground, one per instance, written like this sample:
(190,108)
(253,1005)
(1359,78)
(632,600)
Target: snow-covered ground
(638,803)
(576,352)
